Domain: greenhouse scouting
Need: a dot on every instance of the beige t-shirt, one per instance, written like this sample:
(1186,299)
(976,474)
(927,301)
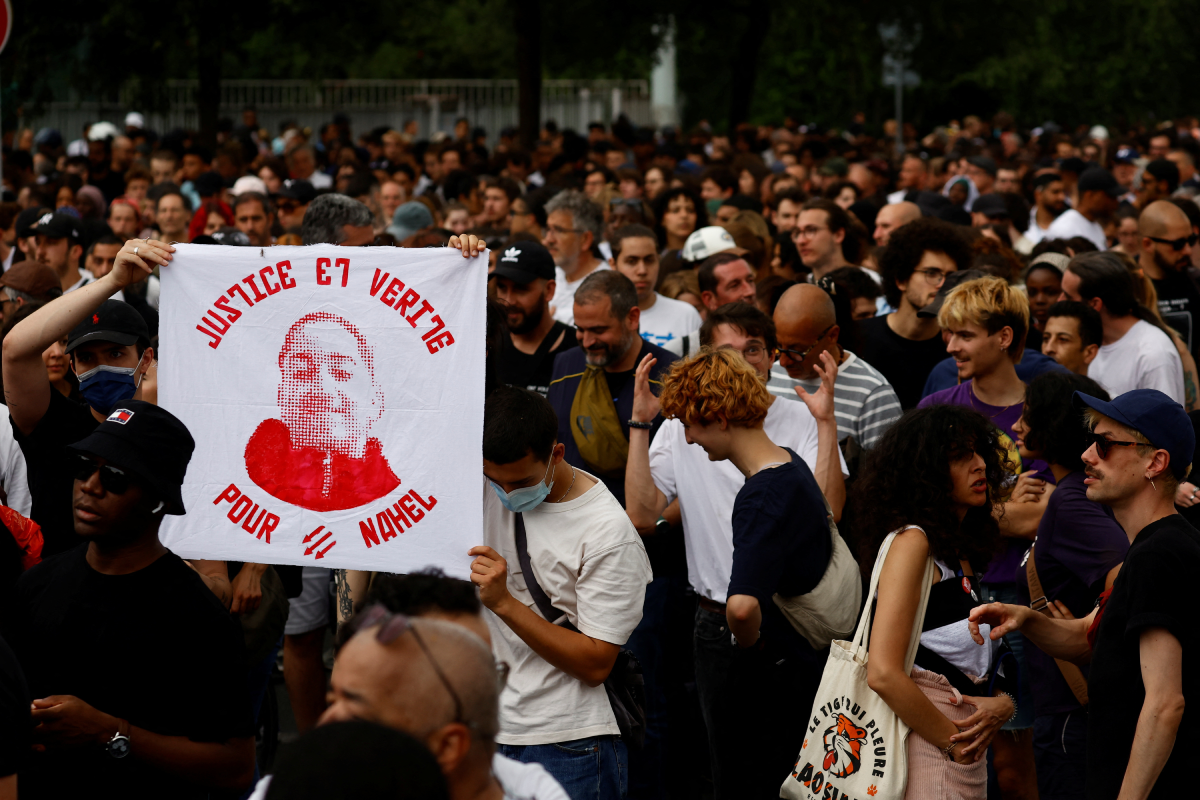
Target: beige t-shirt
(591,563)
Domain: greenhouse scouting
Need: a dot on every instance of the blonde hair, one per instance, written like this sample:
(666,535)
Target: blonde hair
(678,283)
(992,304)
(712,384)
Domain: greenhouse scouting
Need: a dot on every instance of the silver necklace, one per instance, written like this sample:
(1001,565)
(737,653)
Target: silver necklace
(569,488)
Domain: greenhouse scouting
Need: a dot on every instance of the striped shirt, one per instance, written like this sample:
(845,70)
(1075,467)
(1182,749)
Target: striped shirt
(864,403)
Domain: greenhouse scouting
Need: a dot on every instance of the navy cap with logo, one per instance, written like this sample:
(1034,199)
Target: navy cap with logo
(147,441)
(29,218)
(299,190)
(1155,416)
(1098,179)
(522,262)
(1125,155)
(113,321)
(57,226)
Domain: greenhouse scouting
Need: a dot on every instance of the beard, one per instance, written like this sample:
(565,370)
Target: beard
(1166,265)
(529,320)
(602,355)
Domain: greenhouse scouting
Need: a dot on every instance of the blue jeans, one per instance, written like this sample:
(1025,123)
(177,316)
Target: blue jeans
(1060,750)
(1007,593)
(588,769)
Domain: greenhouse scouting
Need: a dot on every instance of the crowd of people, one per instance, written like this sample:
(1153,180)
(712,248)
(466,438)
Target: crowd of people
(745,393)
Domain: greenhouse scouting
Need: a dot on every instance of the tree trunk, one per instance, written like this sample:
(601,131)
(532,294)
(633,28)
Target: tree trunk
(528,19)
(208,68)
(745,64)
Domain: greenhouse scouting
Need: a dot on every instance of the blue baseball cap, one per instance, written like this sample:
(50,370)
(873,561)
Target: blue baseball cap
(1154,415)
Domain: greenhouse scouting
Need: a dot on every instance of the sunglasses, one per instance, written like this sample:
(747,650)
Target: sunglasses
(114,481)
(1177,244)
(1103,446)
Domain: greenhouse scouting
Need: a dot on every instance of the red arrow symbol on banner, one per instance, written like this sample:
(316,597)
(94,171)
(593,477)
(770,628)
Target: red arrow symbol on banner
(317,543)
(308,538)
(321,553)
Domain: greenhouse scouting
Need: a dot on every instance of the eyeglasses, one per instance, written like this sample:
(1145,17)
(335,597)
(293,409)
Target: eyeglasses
(1177,244)
(753,354)
(632,202)
(808,232)
(557,231)
(392,627)
(512,212)
(799,356)
(1104,445)
(933,275)
(114,481)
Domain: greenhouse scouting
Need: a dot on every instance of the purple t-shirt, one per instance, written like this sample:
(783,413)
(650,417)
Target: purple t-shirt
(1004,566)
(1078,542)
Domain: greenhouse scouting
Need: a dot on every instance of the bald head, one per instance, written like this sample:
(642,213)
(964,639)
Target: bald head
(893,216)
(805,318)
(396,684)
(1166,222)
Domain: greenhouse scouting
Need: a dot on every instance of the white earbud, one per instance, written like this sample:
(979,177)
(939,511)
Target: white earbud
(158,507)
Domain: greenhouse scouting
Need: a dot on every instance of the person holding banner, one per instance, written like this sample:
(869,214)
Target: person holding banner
(110,351)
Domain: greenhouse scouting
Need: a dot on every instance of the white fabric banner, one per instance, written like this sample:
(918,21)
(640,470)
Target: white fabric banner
(336,398)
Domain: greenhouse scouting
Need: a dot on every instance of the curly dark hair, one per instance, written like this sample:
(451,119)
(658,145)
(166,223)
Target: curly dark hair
(1056,428)
(663,202)
(908,243)
(905,480)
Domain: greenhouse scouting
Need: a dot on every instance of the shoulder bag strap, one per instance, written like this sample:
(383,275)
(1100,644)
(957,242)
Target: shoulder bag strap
(862,636)
(1071,673)
(531,582)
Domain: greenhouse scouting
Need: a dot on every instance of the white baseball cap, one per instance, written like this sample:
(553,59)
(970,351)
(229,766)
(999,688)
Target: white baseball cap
(707,242)
(135,120)
(249,183)
(101,131)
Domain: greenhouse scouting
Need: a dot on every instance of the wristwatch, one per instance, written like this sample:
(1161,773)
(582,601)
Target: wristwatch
(118,745)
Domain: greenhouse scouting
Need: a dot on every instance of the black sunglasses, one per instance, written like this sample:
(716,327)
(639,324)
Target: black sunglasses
(798,355)
(114,481)
(1104,445)
(1177,244)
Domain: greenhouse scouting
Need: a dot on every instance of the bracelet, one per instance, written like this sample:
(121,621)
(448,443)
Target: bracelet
(948,751)
(641,425)
(1014,702)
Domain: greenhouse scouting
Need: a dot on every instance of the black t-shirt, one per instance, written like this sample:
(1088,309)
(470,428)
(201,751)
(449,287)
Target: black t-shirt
(1154,589)
(154,647)
(781,545)
(1179,304)
(904,362)
(51,478)
(16,725)
(533,371)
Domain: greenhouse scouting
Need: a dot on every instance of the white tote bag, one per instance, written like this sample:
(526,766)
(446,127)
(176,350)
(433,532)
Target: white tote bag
(855,746)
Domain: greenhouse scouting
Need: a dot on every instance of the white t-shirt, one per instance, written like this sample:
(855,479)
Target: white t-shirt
(14,475)
(320,180)
(526,781)
(1035,233)
(667,320)
(1144,358)
(1071,223)
(564,294)
(706,489)
(85,278)
(591,563)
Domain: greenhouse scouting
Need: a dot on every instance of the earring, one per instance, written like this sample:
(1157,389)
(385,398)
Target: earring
(1152,486)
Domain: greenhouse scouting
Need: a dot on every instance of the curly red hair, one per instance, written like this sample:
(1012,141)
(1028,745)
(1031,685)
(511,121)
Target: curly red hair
(713,384)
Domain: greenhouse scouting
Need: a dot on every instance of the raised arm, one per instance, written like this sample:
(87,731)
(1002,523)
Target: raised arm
(1057,638)
(829,465)
(644,502)
(26,386)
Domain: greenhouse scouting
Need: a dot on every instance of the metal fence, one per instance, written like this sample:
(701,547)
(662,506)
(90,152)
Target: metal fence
(434,105)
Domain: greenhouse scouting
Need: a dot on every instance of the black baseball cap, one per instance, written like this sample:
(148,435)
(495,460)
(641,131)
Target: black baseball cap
(1163,169)
(953,280)
(299,190)
(113,321)
(1154,415)
(991,205)
(985,163)
(28,218)
(147,441)
(523,262)
(57,226)
(1098,179)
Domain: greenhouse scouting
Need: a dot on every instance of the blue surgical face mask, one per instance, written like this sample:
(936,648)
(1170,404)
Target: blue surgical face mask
(105,386)
(526,498)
